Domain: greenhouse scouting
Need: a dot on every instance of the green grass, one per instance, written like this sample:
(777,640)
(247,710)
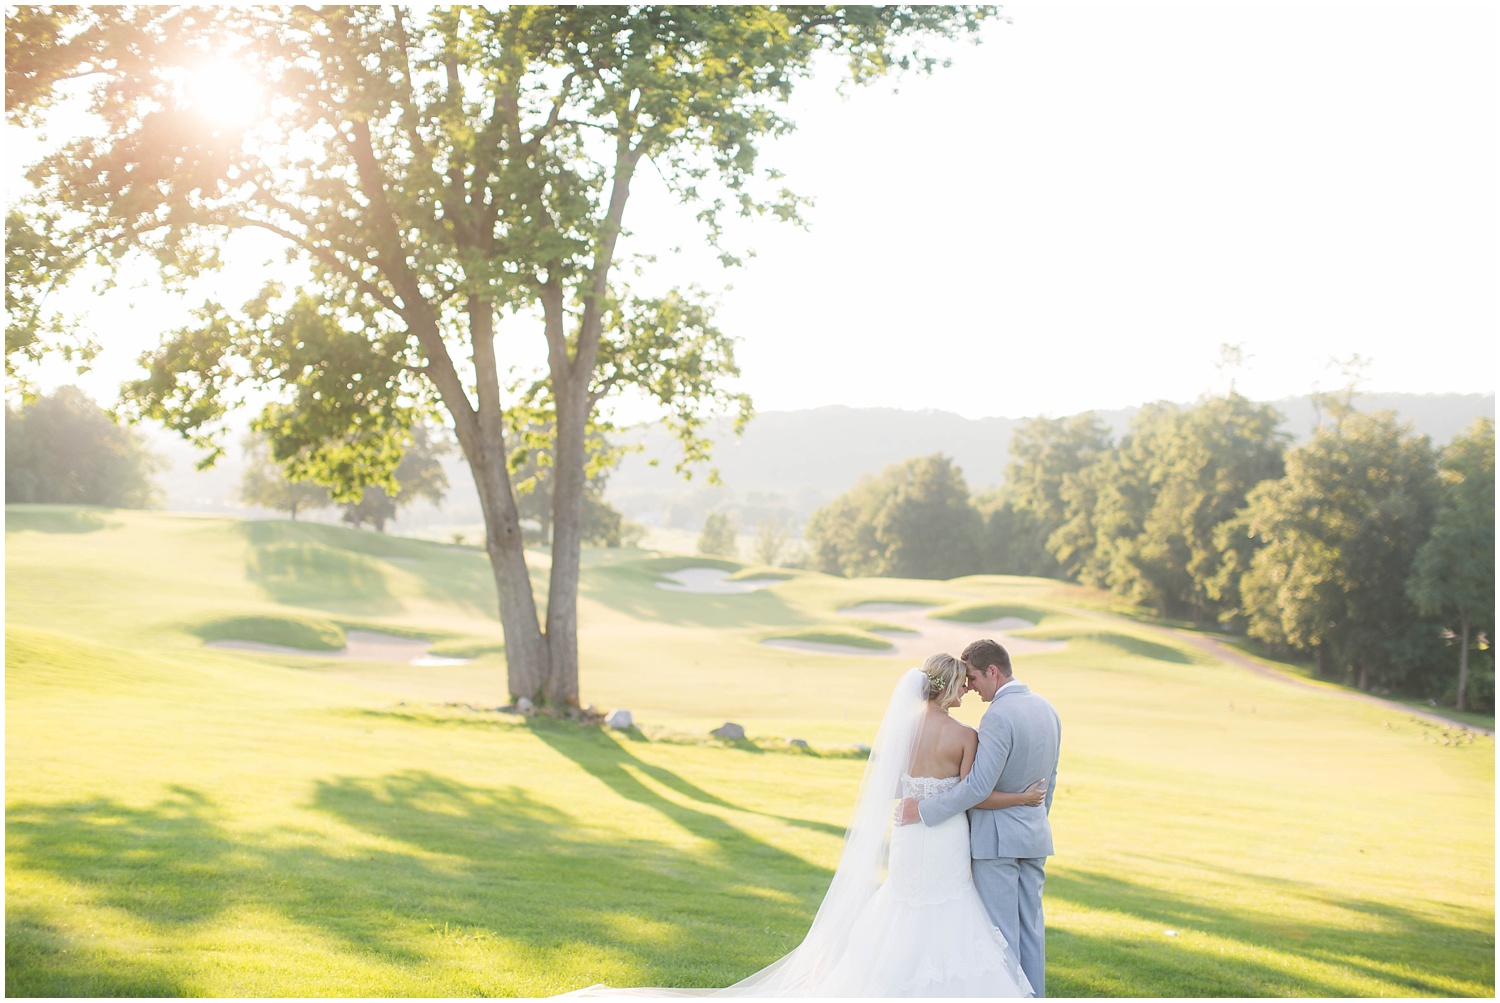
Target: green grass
(859,623)
(184,820)
(987,611)
(311,633)
(847,638)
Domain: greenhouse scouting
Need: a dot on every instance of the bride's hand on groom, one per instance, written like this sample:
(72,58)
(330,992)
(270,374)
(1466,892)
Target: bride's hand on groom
(1035,794)
(906,812)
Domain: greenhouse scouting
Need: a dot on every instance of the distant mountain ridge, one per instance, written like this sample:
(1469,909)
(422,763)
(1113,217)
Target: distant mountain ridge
(787,464)
(790,462)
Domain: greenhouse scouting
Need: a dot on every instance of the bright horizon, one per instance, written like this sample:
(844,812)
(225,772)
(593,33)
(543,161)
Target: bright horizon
(1083,208)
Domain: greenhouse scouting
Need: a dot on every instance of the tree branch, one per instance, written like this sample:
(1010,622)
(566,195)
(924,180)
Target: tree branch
(592,323)
(326,255)
(554,116)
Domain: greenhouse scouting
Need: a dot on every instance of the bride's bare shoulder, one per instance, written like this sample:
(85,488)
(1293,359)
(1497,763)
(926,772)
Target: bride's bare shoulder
(957,730)
(959,726)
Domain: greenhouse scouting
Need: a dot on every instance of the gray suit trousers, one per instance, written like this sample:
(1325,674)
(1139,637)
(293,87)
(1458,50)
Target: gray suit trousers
(1011,890)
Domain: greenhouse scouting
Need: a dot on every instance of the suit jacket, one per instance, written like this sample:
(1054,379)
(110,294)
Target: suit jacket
(1019,739)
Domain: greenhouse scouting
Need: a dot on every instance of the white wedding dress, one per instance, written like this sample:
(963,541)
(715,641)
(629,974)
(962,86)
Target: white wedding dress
(925,932)
(902,916)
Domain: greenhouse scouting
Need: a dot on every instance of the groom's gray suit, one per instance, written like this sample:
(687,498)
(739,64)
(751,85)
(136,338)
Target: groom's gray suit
(1019,738)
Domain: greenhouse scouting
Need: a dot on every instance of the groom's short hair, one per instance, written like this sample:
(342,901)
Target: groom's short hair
(982,654)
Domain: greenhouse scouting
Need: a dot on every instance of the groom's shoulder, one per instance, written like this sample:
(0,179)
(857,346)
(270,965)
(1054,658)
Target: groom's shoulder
(1041,700)
(1029,698)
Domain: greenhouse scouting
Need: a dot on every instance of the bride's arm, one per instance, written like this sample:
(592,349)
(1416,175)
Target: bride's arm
(1029,798)
(971,744)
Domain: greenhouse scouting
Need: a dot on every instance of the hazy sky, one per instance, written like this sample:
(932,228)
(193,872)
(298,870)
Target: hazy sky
(1084,207)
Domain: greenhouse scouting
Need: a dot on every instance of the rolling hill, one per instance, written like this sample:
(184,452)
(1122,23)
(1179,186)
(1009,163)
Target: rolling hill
(189,819)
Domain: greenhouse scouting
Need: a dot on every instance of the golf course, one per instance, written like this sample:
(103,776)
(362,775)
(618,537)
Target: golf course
(267,759)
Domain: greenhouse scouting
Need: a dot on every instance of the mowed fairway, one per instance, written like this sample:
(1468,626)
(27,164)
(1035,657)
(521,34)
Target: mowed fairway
(189,820)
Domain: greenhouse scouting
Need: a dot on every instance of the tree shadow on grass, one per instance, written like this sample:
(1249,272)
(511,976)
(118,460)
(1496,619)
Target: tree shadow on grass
(42,959)
(307,572)
(1412,953)
(1132,645)
(56,519)
(341,570)
(617,768)
(445,855)
(466,580)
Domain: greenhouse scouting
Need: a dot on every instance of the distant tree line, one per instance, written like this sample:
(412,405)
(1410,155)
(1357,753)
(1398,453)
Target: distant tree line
(1365,549)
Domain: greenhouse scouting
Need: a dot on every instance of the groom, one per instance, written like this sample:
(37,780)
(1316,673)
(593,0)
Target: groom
(1019,738)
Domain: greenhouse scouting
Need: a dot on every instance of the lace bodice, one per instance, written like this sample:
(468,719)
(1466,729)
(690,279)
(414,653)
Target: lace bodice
(926,787)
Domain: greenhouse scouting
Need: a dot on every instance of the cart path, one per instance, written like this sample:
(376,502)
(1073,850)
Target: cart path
(1225,653)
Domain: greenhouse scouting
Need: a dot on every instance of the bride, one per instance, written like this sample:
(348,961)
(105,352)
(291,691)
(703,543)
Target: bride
(902,916)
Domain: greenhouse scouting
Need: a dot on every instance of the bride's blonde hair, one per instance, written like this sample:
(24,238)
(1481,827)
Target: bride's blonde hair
(945,678)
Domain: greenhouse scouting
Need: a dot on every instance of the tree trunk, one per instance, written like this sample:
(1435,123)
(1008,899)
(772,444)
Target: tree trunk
(481,435)
(1463,661)
(1364,678)
(571,368)
(525,648)
(567,538)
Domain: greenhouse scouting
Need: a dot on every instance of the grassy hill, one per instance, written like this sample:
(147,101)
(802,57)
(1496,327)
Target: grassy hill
(190,820)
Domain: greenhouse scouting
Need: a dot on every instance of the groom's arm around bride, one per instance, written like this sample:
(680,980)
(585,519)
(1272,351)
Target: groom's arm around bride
(1019,740)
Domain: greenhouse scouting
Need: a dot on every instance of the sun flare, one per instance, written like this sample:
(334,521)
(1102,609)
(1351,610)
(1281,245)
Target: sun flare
(224,93)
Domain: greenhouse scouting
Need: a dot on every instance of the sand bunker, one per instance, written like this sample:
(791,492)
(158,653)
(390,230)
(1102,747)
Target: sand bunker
(931,635)
(712,581)
(362,646)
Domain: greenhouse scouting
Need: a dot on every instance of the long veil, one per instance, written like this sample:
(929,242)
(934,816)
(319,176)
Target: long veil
(861,867)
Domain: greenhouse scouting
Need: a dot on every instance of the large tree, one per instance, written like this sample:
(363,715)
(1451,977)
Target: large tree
(1045,455)
(1014,540)
(1182,473)
(1454,577)
(437,171)
(1339,534)
(1051,488)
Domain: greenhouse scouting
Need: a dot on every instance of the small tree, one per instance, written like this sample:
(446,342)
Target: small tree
(914,520)
(718,536)
(65,449)
(770,541)
(419,475)
(927,526)
(265,484)
(1454,577)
